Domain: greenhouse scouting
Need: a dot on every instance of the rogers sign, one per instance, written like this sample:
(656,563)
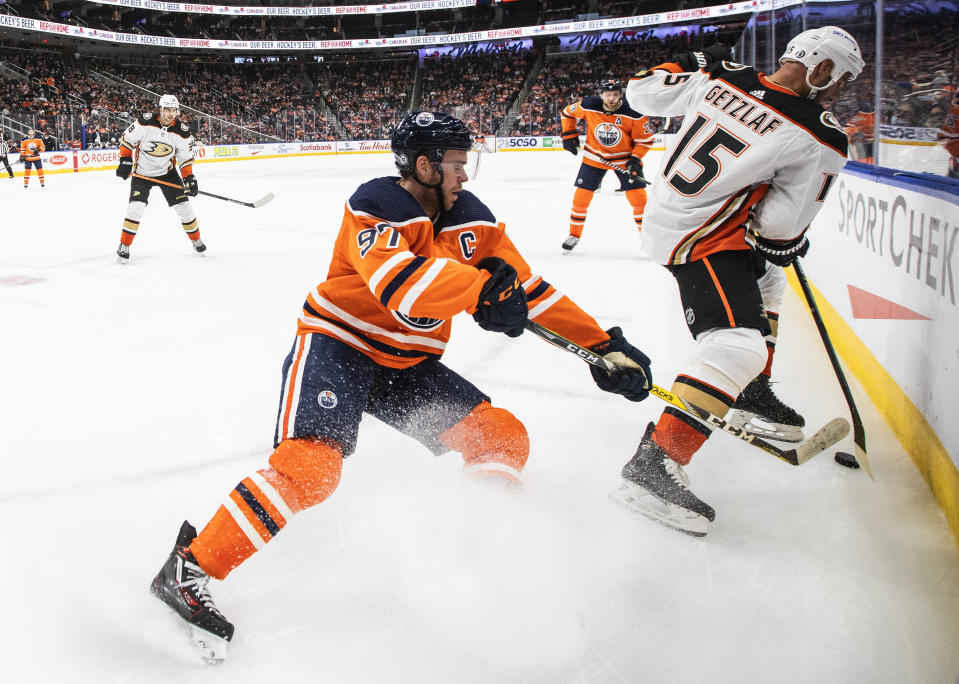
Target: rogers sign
(100,157)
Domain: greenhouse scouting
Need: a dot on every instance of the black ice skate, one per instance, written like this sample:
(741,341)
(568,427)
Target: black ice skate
(123,253)
(181,584)
(570,242)
(760,411)
(655,486)
(199,246)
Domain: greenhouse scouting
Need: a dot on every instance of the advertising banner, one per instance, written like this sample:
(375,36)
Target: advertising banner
(277,11)
(362,146)
(886,258)
(609,24)
(529,143)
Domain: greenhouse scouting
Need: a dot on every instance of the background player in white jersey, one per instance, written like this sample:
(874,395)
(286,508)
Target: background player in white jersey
(738,187)
(163,147)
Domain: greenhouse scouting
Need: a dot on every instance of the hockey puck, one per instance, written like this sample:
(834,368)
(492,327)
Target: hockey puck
(846,459)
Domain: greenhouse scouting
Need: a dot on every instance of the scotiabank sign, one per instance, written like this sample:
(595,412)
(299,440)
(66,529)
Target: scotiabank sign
(317,147)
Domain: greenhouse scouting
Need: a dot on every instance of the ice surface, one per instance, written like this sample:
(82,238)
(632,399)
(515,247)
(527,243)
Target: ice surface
(134,396)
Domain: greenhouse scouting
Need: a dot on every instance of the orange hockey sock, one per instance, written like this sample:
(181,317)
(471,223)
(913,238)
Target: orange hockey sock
(577,216)
(494,444)
(679,435)
(637,198)
(302,473)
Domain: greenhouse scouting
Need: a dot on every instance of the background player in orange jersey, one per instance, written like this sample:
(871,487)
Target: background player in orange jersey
(30,150)
(949,137)
(617,138)
(412,252)
(861,131)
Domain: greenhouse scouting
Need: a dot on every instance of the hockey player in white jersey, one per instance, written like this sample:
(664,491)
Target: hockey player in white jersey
(738,187)
(158,151)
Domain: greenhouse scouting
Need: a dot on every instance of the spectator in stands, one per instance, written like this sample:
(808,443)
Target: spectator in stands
(906,113)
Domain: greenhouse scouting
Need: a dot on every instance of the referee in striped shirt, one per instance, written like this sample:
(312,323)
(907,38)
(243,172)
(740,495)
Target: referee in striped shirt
(4,151)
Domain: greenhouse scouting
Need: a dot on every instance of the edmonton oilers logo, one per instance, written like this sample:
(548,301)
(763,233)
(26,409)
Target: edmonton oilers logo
(327,399)
(607,134)
(424,119)
(421,323)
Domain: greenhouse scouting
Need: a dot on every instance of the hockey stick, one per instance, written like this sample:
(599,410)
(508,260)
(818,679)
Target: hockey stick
(828,435)
(641,179)
(268,197)
(858,432)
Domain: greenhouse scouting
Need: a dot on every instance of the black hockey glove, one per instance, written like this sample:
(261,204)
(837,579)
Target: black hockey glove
(502,304)
(190,186)
(782,252)
(571,145)
(632,378)
(694,61)
(634,170)
(125,167)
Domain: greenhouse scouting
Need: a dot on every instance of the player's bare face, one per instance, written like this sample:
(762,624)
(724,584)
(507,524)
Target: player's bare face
(611,98)
(455,173)
(167,115)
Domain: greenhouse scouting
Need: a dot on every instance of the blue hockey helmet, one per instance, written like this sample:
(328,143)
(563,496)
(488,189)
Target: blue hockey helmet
(429,134)
(610,84)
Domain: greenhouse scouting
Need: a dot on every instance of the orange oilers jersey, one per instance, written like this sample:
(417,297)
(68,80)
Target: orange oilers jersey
(949,133)
(396,278)
(31,148)
(611,137)
(861,126)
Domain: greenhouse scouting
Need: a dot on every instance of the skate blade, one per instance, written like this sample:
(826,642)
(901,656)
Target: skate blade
(211,647)
(667,514)
(747,420)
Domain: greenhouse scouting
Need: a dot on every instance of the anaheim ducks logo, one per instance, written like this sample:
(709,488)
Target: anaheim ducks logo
(421,323)
(607,134)
(158,149)
(829,119)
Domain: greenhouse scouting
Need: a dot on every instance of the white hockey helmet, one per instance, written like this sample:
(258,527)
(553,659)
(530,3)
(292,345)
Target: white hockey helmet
(170,101)
(811,47)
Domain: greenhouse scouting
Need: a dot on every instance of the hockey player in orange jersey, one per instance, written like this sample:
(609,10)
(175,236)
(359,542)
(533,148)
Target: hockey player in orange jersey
(617,138)
(30,150)
(949,137)
(861,131)
(412,252)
